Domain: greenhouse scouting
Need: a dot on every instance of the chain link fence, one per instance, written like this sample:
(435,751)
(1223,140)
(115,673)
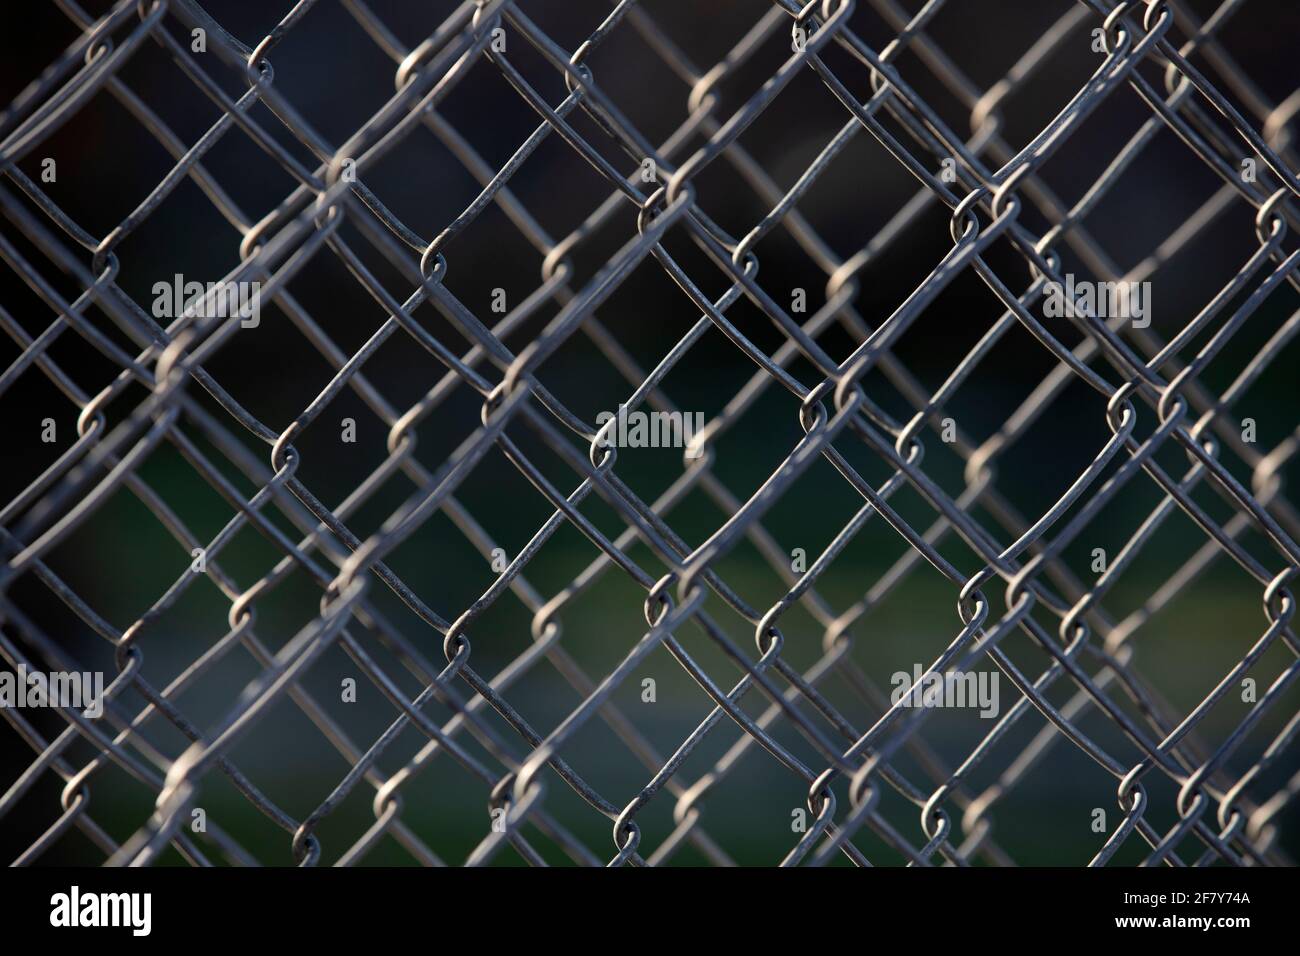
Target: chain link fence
(648,434)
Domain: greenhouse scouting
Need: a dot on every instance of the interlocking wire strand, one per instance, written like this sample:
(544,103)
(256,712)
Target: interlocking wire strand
(710,682)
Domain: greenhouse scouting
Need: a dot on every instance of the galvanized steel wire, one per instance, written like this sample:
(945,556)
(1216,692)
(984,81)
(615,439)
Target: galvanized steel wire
(857,766)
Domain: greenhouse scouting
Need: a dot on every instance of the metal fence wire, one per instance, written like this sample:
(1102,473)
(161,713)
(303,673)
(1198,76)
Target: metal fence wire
(380,650)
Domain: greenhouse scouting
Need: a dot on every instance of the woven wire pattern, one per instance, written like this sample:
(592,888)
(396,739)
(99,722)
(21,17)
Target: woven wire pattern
(780,675)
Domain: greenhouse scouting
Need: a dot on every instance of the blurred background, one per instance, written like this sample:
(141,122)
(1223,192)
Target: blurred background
(337,76)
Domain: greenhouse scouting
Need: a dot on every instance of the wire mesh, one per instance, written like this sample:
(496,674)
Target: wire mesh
(848,495)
